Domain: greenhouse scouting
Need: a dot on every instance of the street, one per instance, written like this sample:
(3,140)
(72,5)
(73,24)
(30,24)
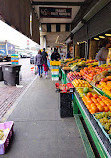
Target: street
(9,94)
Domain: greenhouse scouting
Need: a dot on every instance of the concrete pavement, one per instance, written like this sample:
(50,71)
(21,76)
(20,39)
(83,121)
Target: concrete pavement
(9,94)
(39,132)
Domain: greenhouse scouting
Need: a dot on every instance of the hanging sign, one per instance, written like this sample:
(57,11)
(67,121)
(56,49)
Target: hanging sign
(50,12)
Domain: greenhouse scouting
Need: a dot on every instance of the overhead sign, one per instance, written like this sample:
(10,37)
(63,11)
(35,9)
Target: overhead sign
(50,12)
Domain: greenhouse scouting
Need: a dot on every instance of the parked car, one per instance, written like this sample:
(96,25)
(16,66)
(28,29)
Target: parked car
(32,58)
(23,55)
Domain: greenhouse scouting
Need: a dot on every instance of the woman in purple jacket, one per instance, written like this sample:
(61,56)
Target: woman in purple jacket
(39,62)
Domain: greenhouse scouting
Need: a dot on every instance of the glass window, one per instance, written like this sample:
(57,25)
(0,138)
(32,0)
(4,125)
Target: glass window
(57,27)
(67,27)
(48,27)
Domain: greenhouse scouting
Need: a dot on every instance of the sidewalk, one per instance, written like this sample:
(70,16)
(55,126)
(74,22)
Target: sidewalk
(39,132)
(9,94)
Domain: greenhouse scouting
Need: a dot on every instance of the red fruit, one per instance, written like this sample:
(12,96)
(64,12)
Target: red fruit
(89,95)
(95,96)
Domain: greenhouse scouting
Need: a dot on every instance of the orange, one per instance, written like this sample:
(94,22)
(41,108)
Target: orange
(101,108)
(102,103)
(95,96)
(92,105)
(108,104)
(89,101)
(89,94)
(93,99)
(110,108)
(97,104)
(106,109)
(98,99)
(94,109)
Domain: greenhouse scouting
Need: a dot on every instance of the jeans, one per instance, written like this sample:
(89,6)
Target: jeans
(40,69)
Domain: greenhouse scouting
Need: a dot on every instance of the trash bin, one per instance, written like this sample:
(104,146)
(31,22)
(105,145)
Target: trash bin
(11,74)
(1,73)
(66,109)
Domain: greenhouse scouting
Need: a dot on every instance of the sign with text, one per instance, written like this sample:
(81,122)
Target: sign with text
(50,12)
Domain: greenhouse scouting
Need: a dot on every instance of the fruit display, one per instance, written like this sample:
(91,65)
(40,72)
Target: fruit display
(105,119)
(83,91)
(74,75)
(105,86)
(97,103)
(99,77)
(80,83)
(89,72)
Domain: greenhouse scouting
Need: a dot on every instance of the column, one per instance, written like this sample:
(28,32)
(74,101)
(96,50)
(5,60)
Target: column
(77,50)
(92,49)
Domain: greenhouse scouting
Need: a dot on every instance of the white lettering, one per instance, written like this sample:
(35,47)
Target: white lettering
(60,10)
(54,13)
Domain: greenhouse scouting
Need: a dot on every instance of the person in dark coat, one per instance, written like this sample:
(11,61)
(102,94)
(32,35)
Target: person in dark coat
(39,62)
(45,55)
(55,55)
(68,55)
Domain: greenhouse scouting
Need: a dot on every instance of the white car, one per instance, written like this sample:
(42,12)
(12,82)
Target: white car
(23,55)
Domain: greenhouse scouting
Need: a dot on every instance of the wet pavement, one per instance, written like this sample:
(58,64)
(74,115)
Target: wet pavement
(9,94)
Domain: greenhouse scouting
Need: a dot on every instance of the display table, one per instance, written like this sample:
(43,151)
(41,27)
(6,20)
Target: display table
(101,142)
(63,74)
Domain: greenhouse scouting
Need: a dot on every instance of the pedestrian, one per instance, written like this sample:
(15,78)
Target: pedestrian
(68,55)
(103,52)
(45,70)
(55,55)
(39,62)
(45,55)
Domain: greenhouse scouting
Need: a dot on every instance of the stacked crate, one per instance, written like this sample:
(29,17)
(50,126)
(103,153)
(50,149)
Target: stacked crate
(14,59)
(55,70)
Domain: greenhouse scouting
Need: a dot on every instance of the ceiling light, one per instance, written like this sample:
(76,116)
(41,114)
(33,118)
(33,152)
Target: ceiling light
(77,43)
(101,37)
(108,34)
(96,39)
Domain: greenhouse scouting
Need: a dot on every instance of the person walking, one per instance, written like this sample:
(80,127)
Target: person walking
(45,55)
(55,55)
(45,70)
(39,62)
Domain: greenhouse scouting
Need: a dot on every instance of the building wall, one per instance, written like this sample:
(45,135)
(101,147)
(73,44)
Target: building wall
(16,13)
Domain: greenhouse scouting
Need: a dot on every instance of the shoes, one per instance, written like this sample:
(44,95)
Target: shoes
(46,77)
(40,75)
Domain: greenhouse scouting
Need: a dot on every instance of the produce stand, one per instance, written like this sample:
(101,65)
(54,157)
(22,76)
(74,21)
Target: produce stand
(101,142)
(103,145)
(101,92)
(63,74)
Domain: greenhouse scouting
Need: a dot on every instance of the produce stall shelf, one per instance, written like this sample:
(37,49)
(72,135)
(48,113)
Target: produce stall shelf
(101,92)
(63,74)
(102,143)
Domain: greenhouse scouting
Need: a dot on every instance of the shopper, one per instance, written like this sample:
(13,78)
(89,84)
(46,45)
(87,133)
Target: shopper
(45,55)
(103,52)
(39,62)
(45,70)
(55,55)
(68,55)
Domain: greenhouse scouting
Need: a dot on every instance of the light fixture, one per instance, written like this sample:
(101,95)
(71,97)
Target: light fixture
(96,39)
(108,34)
(77,43)
(101,37)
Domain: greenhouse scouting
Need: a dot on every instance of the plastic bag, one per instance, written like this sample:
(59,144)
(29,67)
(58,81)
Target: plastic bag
(36,70)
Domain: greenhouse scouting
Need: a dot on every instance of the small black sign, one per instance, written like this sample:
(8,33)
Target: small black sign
(50,12)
